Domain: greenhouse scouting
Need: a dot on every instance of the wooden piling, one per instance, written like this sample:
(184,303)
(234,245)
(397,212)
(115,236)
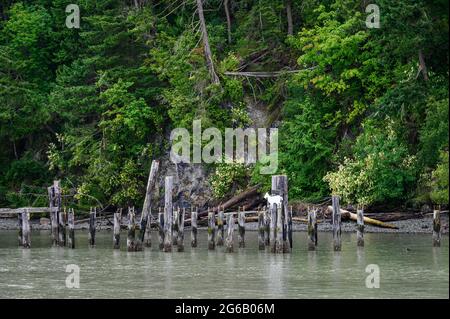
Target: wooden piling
(71,228)
(280,187)
(211,231)
(131,238)
(54,197)
(312,229)
(146,217)
(279,240)
(336,219)
(266,226)
(273,227)
(241,228)
(92,226)
(168,214)
(194,228)
(26,232)
(180,240)
(175,226)
(436,228)
(261,231)
(220,227)
(117,222)
(360,227)
(62,228)
(20,235)
(161,231)
(229,242)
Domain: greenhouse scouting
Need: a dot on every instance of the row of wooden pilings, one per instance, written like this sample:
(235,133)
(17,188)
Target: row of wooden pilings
(274,224)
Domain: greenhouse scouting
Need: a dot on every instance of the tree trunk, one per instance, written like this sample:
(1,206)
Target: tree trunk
(208,54)
(227,12)
(423,67)
(289,17)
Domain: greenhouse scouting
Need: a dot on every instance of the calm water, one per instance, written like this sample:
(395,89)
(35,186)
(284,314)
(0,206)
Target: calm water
(420,271)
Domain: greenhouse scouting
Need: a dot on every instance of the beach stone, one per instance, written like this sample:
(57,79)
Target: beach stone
(44,221)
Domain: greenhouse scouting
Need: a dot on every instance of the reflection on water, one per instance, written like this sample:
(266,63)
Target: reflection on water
(410,268)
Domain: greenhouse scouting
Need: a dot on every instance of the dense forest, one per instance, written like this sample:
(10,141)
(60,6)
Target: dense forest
(362,112)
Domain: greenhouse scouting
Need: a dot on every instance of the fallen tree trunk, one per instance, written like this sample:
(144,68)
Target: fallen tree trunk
(232,201)
(345,214)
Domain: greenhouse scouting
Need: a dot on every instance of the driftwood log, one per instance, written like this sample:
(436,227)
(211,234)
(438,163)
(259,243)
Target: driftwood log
(346,215)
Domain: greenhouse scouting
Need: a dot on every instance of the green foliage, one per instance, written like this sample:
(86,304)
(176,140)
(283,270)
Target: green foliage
(439,181)
(380,170)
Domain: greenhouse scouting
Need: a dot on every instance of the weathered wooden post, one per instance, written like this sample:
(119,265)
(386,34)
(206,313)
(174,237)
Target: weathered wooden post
(436,228)
(161,231)
(312,229)
(266,226)
(71,226)
(26,233)
(241,228)
(336,223)
(131,238)
(280,187)
(168,214)
(62,228)
(117,222)
(194,228)
(92,225)
(279,240)
(19,220)
(146,217)
(211,231)
(220,227)
(54,196)
(175,226)
(360,227)
(180,241)
(229,242)
(261,230)
(289,229)
(273,227)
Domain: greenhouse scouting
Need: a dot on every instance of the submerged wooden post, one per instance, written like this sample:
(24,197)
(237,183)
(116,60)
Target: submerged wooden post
(117,222)
(92,224)
(180,241)
(146,217)
(71,228)
(336,223)
(175,226)
(220,227)
(229,242)
(168,214)
(194,228)
(360,227)
(26,233)
(131,238)
(266,226)
(289,229)
(312,229)
(161,229)
(436,228)
(280,187)
(19,220)
(241,228)
(261,230)
(62,228)
(211,231)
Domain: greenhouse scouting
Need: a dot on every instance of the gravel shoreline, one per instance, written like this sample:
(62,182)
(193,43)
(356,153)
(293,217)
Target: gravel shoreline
(409,226)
